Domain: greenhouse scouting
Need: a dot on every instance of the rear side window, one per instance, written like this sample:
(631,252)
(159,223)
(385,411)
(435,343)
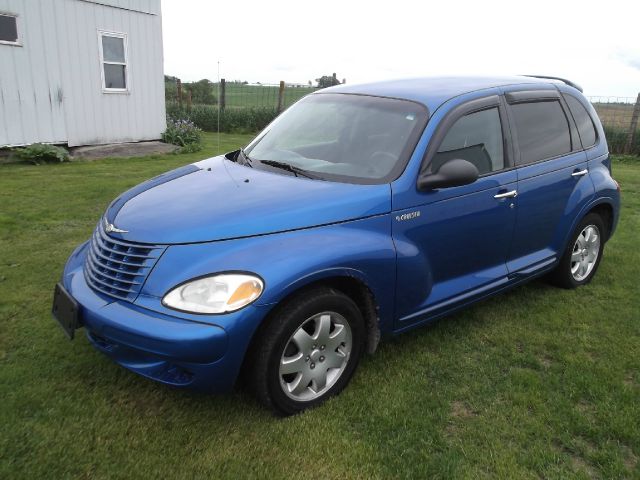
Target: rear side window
(586,129)
(542,130)
(477,138)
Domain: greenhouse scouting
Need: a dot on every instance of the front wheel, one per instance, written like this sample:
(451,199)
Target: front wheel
(308,352)
(582,256)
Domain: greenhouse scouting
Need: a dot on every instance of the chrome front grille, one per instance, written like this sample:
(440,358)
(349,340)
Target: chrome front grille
(118,268)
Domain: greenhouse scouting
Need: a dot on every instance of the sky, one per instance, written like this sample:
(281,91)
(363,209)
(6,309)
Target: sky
(595,44)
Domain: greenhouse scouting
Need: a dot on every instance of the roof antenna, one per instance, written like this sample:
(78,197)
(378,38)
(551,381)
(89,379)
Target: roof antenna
(218,135)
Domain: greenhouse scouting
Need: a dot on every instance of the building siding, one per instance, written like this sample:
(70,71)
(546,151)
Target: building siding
(51,87)
(151,7)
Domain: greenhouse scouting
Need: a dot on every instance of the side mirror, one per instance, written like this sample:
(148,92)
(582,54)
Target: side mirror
(453,173)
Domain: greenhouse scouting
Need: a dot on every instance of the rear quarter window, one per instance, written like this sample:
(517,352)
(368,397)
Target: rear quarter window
(542,130)
(586,128)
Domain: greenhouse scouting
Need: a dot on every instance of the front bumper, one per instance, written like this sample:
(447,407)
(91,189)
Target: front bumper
(165,348)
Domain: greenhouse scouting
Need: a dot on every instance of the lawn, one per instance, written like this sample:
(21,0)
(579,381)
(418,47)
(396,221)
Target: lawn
(536,383)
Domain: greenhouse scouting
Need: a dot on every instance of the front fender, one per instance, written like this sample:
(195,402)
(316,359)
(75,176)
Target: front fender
(287,261)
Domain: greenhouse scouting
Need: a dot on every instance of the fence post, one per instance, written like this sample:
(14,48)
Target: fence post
(633,127)
(280,96)
(179,93)
(223,88)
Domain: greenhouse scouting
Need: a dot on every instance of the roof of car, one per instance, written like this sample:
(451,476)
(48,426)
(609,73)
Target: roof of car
(433,91)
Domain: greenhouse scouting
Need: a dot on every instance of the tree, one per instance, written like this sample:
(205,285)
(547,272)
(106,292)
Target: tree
(202,92)
(170,87)
(327,81)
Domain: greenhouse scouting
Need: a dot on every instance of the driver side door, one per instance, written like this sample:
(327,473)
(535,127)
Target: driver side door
(453,244)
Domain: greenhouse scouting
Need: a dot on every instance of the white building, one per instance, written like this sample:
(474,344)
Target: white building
(80,72)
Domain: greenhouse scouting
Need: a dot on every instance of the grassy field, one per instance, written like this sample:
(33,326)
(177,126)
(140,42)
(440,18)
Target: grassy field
(615,115)
(536,383)
(238,95)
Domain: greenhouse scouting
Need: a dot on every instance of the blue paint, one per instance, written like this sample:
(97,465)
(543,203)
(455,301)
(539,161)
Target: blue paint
(422,254)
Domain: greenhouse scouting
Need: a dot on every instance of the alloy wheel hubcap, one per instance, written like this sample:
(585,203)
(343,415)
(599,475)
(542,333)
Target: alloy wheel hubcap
(585,253)
(315,356)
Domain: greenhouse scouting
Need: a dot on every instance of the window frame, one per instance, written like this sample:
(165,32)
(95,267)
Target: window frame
(536,96)
(125,64)
(472,106)
(18,42)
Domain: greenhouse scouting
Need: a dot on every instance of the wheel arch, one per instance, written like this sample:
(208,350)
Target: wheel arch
(348,281)
(603,206)
(344,281)
(605,211)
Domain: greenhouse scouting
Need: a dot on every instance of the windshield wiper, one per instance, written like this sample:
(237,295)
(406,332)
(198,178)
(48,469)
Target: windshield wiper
(297,171)
(245,158)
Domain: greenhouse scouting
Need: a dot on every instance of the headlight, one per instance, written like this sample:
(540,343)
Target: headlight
(222,293)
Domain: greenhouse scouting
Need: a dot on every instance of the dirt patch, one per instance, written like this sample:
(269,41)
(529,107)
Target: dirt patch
(137,149)
(630,458)
(462,410)
(584,407)
(545,361)
(581,465)
(576,455)
(629,380)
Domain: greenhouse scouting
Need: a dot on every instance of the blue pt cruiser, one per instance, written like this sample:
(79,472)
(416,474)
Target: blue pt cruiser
(361,211)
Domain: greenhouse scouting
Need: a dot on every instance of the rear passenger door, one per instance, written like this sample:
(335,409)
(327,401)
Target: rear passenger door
(552,177)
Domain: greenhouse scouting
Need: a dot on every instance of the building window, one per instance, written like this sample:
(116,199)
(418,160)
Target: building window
(9,29)
(113,61)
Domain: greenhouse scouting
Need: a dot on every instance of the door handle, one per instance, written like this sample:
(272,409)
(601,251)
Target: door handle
(511,194)
(580,173)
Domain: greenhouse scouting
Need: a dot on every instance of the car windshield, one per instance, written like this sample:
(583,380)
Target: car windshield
(342,137)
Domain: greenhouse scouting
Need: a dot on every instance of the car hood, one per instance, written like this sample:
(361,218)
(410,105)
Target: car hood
(218,199)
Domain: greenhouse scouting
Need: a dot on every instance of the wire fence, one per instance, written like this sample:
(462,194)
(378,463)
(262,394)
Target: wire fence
(619,117)
(246,107)
(614,112)
(237,94)
(231,106)
(264,95)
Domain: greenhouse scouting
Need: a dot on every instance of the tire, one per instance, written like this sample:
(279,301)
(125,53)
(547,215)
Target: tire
(582,255)
(316,335)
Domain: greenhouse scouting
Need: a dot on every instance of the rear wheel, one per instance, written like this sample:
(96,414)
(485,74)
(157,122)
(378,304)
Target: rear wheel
(308,352)
(582,256)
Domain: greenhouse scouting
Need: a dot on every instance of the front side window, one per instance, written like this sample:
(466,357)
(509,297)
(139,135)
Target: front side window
(542,130)
(342,137)
(586,129)
(8,29)
(477,138)
(113,58)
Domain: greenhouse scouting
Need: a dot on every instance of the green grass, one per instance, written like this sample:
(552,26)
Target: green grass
(536,383)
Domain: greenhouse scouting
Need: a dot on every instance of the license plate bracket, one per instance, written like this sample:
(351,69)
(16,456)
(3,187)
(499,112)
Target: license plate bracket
(66,311)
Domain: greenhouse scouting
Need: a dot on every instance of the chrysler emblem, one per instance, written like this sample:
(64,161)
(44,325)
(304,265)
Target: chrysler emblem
(110,227)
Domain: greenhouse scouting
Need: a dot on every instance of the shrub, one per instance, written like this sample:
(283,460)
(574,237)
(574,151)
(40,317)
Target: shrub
(232,120)
(617,139)
(38,153)
(246,120)
(183,133)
